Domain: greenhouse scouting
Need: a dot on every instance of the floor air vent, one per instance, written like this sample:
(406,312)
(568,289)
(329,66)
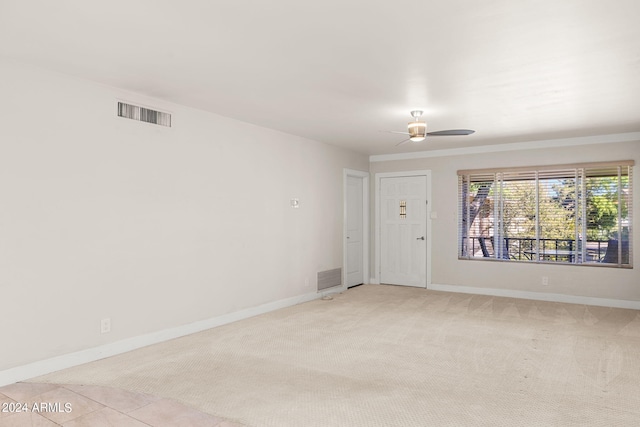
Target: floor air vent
(142,114)
(329,279)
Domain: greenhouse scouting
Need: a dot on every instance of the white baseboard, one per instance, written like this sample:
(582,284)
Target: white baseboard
(43,367)
(373,281)
(540,296)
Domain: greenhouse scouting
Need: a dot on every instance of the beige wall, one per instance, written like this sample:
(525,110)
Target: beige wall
(583,281)
(152,227)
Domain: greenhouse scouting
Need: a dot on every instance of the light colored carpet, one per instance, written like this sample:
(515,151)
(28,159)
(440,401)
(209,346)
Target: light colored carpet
(394,356)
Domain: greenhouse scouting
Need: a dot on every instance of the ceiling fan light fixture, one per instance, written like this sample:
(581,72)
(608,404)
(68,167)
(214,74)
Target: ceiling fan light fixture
(417,131)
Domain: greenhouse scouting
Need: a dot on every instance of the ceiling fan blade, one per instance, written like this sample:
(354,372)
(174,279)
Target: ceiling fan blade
(451,132)
(394,131)
(403,142)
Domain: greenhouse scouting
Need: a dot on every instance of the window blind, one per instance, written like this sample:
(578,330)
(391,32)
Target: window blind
(565,214)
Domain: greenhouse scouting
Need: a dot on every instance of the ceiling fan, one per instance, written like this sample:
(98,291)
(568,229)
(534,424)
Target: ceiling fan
(417,130)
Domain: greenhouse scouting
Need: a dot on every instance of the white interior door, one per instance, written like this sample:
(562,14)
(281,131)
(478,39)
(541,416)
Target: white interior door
(403,225)
(355,231)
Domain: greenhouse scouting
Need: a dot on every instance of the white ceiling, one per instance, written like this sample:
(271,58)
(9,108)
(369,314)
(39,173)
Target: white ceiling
(340,71)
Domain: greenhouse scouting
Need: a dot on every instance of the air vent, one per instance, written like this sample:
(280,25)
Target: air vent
(329,279)
(142,114)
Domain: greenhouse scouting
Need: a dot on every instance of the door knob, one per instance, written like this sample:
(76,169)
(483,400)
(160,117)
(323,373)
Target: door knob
(420,238)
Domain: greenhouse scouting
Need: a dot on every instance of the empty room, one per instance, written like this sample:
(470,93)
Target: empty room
(339,213)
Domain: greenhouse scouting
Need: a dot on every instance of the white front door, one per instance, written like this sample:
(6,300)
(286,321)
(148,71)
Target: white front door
(355,231)
(403,239)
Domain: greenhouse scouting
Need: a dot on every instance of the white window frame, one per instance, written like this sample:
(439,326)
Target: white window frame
(579,172)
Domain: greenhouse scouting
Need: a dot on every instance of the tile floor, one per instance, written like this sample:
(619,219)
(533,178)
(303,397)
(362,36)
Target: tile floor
(51,405)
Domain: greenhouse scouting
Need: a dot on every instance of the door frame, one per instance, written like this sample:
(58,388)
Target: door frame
(365,224)
(378,177)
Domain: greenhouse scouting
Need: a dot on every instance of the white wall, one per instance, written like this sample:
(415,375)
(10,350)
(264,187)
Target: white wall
(518,278)
(155,228)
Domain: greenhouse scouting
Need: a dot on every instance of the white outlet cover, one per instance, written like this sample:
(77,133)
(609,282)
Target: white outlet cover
(105,326)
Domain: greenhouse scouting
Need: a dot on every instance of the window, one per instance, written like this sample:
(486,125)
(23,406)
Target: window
(565,214)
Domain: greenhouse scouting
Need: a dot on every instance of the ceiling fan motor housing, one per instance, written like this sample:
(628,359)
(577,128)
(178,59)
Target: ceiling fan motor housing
(417,130)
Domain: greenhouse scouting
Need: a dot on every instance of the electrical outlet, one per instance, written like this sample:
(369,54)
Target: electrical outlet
(306,282)
(545,281)
(105,326)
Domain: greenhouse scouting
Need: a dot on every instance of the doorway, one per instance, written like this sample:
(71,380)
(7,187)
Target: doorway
(403,228)
(356,228)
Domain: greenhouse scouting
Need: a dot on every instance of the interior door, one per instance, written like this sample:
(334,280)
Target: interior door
(403,223)
(355,248)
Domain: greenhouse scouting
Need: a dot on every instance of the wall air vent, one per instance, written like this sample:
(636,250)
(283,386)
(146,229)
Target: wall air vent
(142,114)
(329,279)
